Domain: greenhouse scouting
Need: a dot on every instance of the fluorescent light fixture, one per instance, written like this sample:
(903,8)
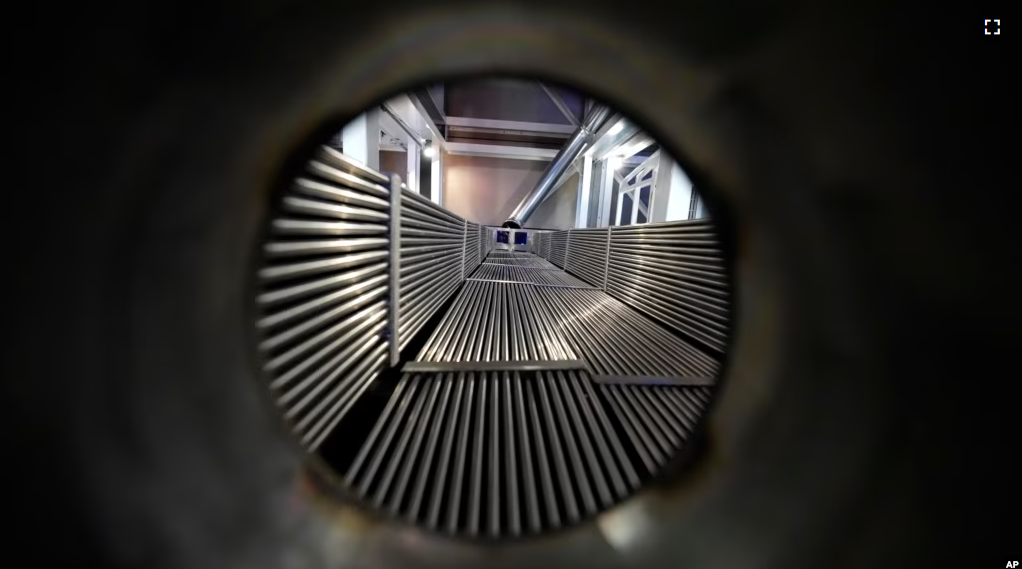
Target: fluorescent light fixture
(617,127)
(428,150)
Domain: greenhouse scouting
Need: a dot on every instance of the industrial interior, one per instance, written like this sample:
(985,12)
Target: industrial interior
(492,308)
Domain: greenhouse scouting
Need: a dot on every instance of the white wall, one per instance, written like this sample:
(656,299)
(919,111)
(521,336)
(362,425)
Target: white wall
(680,194)
(559,209)
(486,190)
(392,162)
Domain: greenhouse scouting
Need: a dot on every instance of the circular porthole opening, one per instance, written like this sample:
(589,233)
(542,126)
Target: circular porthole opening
(493,308)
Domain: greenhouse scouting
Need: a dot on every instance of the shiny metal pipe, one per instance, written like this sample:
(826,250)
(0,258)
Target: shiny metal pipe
(674,272)
(574,146)
(337,404)
(502,455)
(288,226)
(330,210)
(611,337)
(334,159)
(587,256)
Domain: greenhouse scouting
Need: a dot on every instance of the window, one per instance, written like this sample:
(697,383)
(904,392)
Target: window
(626,209)
(643,213)
(635,196)
(693,205)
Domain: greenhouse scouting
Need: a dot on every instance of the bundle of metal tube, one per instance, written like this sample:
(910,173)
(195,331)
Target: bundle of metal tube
(517,274)
(488,239)
(496,322)
(558,248)
(323,293)
(431,248)
(543,244)
(473,253)
(656,420)
(616,342)
(673,272)
(502,454)
(518,259)
(547,184)
(587,255)
(576,422)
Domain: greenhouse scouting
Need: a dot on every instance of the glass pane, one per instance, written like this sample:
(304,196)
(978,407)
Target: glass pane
(595,197)
(648,175)
(613,203)
(626,210)
(643,216)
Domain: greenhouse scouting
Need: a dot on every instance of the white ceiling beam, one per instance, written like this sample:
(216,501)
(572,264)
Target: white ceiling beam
(559,103)
(637,144)
(635,195)
(407,131)
(511,125)
(392,129)
(455,129)
(435,133)
(500,151)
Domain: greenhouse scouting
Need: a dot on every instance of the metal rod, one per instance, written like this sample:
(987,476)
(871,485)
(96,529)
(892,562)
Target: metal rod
(475,493)
(370,442)
(394,319)
(553,515)
(650,380)
(510,432)
(435,428)
(396,459)
(459,467)
(606,262)
(583,434)
(370,476)
(419,427)
(494,483)
(528,478)
(570,443)
(416,137)
(557,449)
(596,416)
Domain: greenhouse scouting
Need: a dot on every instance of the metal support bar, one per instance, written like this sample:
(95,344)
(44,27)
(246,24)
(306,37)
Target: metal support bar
(567,251)
(537,365)
(405,126)
(464,244)
(559,103)
(531,284)
(606,261)
(651,380)
(394,313)
(517,265)
(547,182)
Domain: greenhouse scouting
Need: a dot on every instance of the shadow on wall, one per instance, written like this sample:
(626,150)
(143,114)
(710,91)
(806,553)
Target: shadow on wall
(486,190)
(558,210)
(394,163)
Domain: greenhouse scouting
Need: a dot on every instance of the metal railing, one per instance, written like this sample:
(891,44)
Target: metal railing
(353,262)
(672,272)
(323,301)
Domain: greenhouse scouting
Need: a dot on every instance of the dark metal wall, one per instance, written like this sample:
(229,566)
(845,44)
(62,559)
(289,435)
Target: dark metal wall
(853,153)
